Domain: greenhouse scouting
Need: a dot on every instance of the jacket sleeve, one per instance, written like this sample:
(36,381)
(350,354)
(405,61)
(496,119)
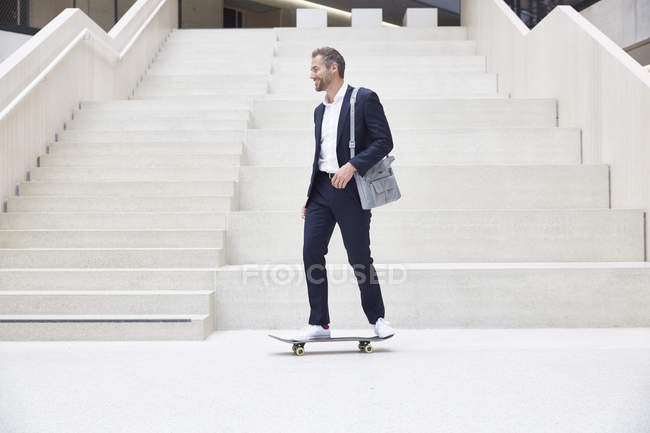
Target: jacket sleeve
(381,141)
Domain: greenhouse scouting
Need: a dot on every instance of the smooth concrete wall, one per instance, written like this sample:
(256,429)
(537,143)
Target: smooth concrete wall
(626,22)
(202,13)
(102,12)
(599,88)
(641,53)
(10,41)
(269,19)
(123,6)
(37,94)
(420,17)
(310,18)
(43,12)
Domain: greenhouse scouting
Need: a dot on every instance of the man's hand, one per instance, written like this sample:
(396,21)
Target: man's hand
(343,175)
(304,209)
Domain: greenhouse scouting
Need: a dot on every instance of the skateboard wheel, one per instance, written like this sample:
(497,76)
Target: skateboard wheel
(367,348)
(299,351)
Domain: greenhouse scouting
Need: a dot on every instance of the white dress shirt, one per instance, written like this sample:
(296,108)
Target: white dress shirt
(327,160)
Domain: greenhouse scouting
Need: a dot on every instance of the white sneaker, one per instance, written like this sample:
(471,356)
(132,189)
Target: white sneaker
(382,328)
(312,331)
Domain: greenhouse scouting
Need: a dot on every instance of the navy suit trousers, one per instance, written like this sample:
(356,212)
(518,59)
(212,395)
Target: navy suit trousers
(327,206)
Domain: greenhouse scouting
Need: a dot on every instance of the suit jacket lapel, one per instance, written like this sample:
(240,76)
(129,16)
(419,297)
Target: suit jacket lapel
(343,120)
(318,125)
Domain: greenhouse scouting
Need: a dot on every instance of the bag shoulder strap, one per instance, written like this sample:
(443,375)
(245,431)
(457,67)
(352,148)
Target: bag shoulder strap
(353,99)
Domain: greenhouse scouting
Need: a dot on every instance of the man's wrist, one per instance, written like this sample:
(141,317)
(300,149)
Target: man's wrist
(353,167)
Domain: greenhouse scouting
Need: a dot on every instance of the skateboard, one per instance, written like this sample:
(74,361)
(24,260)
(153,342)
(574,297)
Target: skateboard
(299,345)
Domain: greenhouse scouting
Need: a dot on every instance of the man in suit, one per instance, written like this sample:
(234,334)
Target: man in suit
(333,197)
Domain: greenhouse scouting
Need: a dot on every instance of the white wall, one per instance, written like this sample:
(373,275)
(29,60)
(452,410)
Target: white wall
(9,42)
(626,22)
(599,87)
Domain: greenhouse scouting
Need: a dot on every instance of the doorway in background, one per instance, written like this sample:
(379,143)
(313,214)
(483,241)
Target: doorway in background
(232,18)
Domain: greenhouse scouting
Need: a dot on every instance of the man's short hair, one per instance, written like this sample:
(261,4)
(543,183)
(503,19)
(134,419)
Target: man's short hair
(330,55)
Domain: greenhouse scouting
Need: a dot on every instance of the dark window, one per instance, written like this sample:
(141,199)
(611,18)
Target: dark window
(14,16)
(533,11)
(9,12)
(232,18)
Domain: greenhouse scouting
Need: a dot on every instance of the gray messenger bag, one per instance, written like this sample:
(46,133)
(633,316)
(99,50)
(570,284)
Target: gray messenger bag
(379,185)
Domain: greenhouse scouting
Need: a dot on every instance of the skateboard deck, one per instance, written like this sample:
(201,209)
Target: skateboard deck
(299,345)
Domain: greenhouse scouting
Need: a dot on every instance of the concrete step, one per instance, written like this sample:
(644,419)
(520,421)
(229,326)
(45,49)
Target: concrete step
(111,257)
(428,146)
(100,113)
(218,34)
(219,81)
(126,189)
(426,236)
(102,302)
(190,104)
(447,187)
(418,84)
(236,100)
(153,91)
(422,113)
(108,203)
(223,43)
(207,65)
(245,83)
(111,238)
(179,123)
(112,220)
(222,49)
(139,149)
(106,279)
(53,327)
(447,295)
(134,174)
(142,161)
(382,48)
(374,78)
(314,98)
(183,51)
(360,64)
(330,35)
(167,136)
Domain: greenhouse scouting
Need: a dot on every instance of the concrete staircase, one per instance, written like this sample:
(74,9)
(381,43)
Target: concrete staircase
(176,212)
(500,224)
(119,231)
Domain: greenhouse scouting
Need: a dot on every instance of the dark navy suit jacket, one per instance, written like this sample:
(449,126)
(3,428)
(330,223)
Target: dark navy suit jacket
(373,137)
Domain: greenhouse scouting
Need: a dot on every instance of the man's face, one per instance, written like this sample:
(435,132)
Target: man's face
(320,74)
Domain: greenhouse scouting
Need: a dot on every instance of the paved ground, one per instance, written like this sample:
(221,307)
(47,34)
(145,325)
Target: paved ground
(469,381)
